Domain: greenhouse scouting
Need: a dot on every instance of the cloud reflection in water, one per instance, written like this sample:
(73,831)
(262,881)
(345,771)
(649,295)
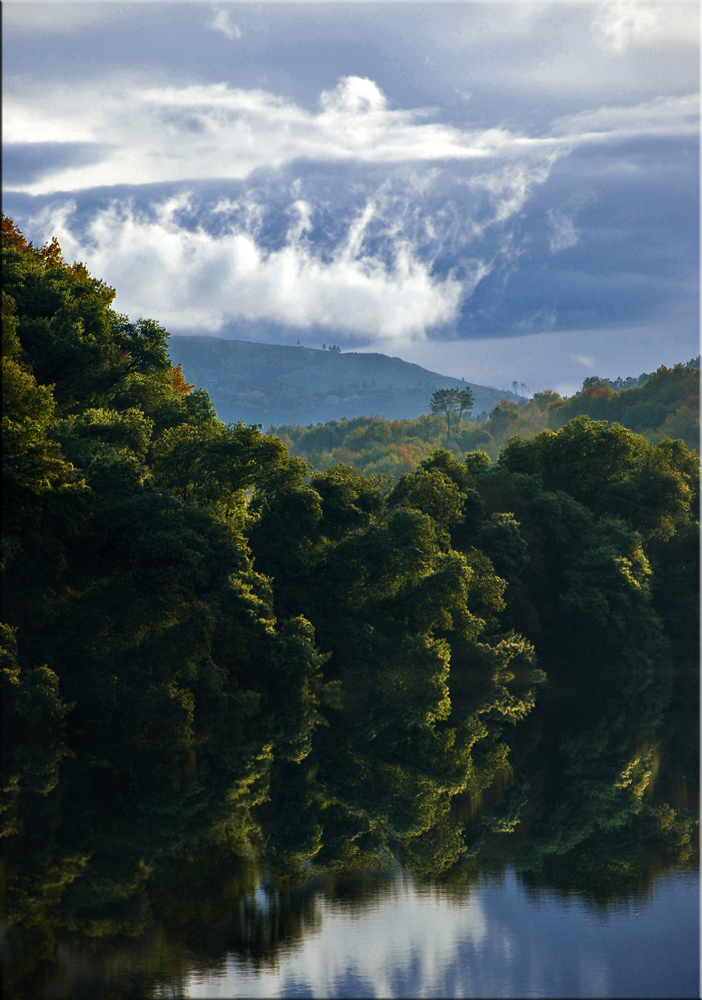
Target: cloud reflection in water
(501,941)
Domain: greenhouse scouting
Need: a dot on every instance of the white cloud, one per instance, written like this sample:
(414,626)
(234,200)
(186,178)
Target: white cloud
(663,116)
(618,25)
(563,233)
(510,187)
(563,48)
(155,133)
(302,213)
(221,21)
(354,94)
(205,131)
(194,281)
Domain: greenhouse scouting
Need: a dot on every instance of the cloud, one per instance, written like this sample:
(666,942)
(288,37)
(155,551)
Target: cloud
(568,50)
(196,281)
(663,116)
(211,130)
(157,133)
(563,233)
(509,188)
(170,133)
(541,321)
(285,196)
(221,21)
(619,24)
(374,222)
(354,94)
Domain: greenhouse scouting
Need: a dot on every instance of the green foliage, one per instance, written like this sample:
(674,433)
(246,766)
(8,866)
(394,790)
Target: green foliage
(211,650)
(211,462)
(612,470)
(433,493)
(33,713)
(206,608)
(499,538)
(662,408)
(662,405)
(451,402)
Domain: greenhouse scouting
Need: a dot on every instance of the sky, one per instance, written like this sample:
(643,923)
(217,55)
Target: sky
(496,191)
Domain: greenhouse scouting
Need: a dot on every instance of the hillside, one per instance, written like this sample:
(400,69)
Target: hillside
(663,405)
(272,384)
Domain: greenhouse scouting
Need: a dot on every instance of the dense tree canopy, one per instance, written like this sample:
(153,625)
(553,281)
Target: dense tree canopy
(212,650)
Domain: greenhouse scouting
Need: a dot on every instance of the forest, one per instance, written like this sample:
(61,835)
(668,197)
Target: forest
(221,658)
(662,405)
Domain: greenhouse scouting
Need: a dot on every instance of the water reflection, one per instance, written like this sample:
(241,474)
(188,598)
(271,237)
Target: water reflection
(386,935)
(395,941)
(496,941)
(556,857)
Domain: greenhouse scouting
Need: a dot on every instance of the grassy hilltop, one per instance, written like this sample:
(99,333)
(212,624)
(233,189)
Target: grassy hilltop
(272,384)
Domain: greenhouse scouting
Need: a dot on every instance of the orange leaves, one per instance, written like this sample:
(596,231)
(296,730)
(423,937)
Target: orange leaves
(11,236)
(51,254)
(597,391)
(178,382)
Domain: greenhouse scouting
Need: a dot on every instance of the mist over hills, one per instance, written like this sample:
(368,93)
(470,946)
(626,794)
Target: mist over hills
(274,384)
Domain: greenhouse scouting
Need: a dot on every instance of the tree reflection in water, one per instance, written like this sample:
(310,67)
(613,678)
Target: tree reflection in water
(95,910)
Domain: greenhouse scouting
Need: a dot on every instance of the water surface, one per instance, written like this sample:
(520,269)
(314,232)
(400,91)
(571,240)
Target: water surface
(497,940)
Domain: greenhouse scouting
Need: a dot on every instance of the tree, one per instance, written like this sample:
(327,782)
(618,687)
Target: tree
(129,594)
(465,403)
(450,401)
(613,471)
(444,401)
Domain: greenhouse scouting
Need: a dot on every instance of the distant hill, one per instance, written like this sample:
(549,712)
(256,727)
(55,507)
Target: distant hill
(664,404)
(272,384)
